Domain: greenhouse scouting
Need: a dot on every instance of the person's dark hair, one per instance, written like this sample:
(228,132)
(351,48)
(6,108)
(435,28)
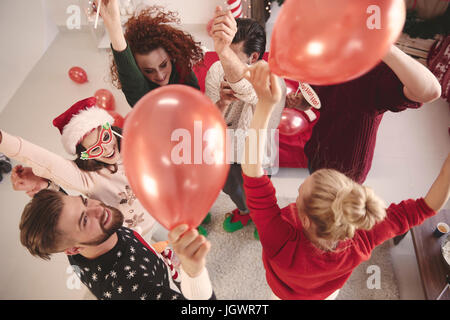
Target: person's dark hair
(38,224)
(94,165)
(253,35)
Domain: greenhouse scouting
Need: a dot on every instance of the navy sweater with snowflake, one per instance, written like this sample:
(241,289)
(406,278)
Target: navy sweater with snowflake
(131,270)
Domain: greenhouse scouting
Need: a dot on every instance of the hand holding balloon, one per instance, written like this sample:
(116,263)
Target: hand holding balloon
(191,248)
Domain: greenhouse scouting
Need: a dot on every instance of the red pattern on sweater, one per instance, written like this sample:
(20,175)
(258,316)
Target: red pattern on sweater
(296,269)
(344,137)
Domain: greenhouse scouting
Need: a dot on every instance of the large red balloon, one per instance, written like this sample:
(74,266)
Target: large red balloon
(292,122)
(173,151)
(118,119)
(327,42)
(105,99)
(78,75)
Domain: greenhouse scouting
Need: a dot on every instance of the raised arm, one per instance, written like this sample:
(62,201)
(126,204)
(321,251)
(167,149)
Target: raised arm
(439,192)
(224,29)
(268,90)
(133,82)
(110,12)
(46,164)
(409,213)
(420,84)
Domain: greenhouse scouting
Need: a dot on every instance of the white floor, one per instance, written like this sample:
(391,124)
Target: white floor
(410,150)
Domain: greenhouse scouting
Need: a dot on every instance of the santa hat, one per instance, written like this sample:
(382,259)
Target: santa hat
(79,120)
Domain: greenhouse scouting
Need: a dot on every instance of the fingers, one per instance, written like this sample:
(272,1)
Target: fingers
(259,74)
(222,31)
(275,85)
(192,248)
(176,232)
(226,21)
(202,251)
(224,25)
(188,243)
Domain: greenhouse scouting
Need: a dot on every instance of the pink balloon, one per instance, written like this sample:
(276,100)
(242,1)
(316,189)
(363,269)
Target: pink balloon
(173,151)
(328,42)
(292,122)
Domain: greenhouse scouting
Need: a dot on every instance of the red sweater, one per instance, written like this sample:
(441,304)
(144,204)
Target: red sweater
(344,137)
(296,269)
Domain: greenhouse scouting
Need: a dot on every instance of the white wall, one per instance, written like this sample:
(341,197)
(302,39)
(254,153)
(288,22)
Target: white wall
(26,31)
(27,28)
(191,11)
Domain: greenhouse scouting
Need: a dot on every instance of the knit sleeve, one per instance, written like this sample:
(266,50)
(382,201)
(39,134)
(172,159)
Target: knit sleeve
(134,84)
(198,288)
(46,164)
(399,219)
(389,95)
(274,232)
(212,82)
(244,91)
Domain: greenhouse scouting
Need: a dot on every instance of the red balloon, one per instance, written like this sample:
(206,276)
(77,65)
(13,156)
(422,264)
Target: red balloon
(105,99)
(173,151)
(291,86)
(78,75)
(118,119)
(292,122)
(328,42)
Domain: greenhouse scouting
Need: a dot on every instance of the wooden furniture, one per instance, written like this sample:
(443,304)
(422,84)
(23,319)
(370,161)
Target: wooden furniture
(417,48)
(432,267)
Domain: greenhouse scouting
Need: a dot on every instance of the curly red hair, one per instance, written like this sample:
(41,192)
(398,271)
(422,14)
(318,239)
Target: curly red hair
(150,30)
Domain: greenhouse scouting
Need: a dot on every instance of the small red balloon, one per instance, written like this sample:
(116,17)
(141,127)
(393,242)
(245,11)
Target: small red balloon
(78,75)
(105,99)
(292,122)
(119,121)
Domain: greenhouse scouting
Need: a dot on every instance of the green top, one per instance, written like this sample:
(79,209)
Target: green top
(134,84)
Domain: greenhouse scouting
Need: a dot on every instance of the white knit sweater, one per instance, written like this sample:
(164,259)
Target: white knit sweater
(240,113)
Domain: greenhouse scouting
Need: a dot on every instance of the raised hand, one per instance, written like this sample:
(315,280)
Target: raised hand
(191,248)
(23,179)
(265,83)
(297,101)
(109,11)
(224,28)
(226,95)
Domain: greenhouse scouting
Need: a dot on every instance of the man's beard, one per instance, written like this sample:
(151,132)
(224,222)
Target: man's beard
(116,222)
